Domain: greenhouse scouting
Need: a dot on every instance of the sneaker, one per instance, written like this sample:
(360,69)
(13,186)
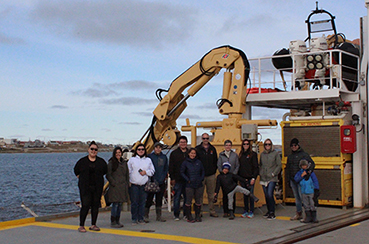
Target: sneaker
(250,215)
(142,222)
(245,215)
(134,222)
(266,215)
(176,218)
(271,216)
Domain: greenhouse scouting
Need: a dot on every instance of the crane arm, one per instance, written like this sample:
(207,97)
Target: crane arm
(171,106)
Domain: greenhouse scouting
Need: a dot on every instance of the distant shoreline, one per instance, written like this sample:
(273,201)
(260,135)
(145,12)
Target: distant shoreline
(52,150)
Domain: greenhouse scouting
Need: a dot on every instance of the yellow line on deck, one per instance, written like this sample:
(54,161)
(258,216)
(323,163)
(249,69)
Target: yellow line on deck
(138,234)
(15,223)
(353,225)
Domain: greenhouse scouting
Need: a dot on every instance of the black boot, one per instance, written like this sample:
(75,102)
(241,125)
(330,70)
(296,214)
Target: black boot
(313,217)
(231,215)
(158,215)
(187,211)
(307,217)
(254,197)
(113,222)
(197,212)
(118,224)
(146,215)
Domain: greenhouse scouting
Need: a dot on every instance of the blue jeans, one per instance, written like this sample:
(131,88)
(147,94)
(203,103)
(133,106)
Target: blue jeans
(297,194)
(116,208)
(249,204)
(179,189)
(138,200)
(269,196)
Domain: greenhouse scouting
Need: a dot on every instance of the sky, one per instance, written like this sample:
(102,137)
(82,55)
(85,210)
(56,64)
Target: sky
(88,70)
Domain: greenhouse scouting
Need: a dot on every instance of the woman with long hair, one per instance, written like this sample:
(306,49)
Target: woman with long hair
(270,167)
(193,172)
(118,177)
(249,169)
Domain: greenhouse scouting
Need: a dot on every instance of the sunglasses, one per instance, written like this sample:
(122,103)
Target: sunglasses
(267,144)
(246,144)
(93,149)
(205,138)
(293,145)
(141,149)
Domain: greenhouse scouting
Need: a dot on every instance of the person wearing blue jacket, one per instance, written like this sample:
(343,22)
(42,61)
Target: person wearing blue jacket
(161,165)
(193,172)
(308,183)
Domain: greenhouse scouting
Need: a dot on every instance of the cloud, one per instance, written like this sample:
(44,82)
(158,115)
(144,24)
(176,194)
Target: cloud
(58,107)
(97,91)
(47,129)
(133,85)
(105,90)
(132,22)
(11,40)
(146,114)
(129,123)
(207,106)
(190,116)
(127,101)
(268,113)
(17,136)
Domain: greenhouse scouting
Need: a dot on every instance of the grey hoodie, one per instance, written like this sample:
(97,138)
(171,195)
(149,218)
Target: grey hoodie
(233,160)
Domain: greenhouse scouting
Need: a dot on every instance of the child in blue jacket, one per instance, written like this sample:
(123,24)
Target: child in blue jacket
(308,183)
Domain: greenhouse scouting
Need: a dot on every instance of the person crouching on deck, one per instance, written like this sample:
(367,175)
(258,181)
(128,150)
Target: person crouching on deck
(228,182)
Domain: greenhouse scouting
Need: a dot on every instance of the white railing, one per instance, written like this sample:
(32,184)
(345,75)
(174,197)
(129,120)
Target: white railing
(264,75)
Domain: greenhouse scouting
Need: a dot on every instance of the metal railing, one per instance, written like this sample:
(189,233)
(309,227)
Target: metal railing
(264,75)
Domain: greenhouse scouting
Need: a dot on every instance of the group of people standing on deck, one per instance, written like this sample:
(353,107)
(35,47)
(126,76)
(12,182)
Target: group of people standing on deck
(127,179)
(192,171)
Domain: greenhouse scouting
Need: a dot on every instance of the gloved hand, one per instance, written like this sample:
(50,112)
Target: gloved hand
(315,197)
(215,199)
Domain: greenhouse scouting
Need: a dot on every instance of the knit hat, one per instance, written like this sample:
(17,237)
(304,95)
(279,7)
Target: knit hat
(303,162)
(158,144)
(226,165)
(294,141)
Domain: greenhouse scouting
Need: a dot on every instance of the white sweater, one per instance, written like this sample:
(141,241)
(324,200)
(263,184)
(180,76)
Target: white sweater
(137,163)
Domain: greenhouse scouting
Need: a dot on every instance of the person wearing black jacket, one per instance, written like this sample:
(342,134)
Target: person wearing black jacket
(175,161)
(228,182)
(90,171)
(193,173)
(292,167)
(209,158)
(249,169)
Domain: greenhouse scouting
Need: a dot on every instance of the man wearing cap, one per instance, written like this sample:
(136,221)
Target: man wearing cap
(292,167)
(209,158)
(160,162)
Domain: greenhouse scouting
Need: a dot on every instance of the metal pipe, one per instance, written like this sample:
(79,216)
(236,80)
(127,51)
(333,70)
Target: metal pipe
(284,117)
(293,118)
(179,104)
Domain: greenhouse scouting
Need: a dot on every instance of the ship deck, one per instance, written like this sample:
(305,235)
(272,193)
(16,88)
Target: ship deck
(344,225)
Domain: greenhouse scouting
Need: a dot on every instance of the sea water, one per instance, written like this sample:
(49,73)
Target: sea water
(44,182)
